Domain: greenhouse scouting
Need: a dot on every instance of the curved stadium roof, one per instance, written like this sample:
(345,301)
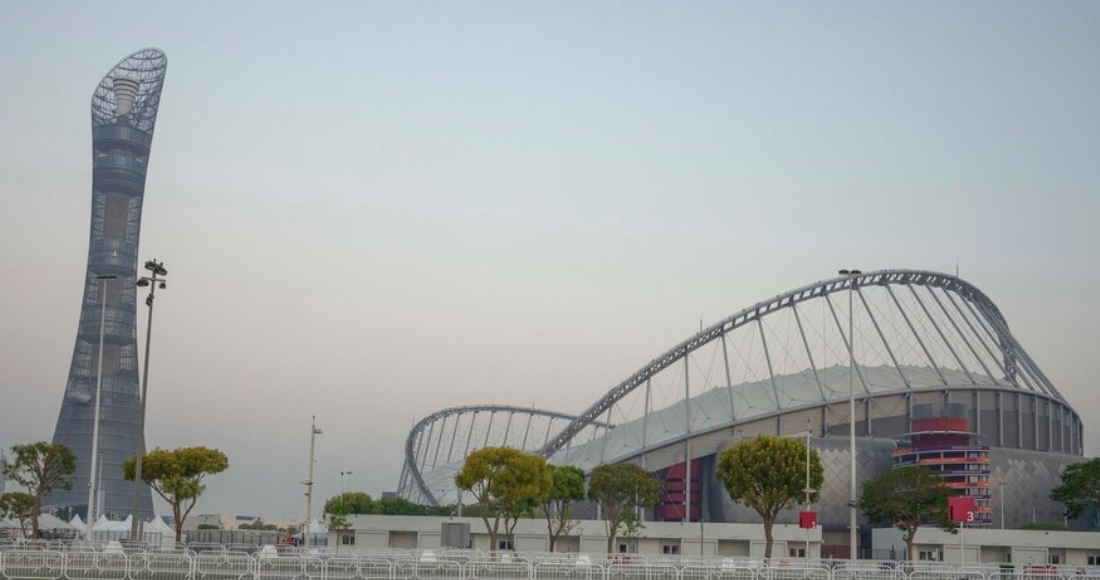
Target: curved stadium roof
(914,331)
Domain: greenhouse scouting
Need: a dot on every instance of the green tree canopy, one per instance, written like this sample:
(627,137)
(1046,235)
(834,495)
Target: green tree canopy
(1080,488)
(398,506)
(41,468)
(907,497)
(501,478)
(351,502)
(620,489)
(177,476)
(19,506)
(566,488)
(768,474)
(1045,526)
(339,507)
(257,525)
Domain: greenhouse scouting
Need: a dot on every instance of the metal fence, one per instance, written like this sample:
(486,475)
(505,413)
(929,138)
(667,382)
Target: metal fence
(209,562)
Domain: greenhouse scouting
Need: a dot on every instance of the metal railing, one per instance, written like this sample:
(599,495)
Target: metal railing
(73,561)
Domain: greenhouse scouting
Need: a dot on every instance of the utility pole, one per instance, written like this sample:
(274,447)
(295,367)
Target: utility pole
(153,282)
(313,433)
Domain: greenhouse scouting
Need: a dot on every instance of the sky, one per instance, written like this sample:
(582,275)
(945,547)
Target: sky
(371,211)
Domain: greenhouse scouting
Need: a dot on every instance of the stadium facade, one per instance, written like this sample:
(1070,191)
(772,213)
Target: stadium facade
(925,344)
(124,115)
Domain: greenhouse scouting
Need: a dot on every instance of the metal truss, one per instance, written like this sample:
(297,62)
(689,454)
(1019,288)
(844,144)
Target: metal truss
(964,305)
(429,439)
(922,338)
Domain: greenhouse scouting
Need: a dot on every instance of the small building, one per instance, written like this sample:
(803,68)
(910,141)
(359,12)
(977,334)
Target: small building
(588,536)
(978,546)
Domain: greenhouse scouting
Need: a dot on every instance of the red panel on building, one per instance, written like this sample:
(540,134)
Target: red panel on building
(807,520)
(674,493)
(960,424)
(962,509)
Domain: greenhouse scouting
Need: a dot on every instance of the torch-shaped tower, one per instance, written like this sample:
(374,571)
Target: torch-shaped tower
(124,113)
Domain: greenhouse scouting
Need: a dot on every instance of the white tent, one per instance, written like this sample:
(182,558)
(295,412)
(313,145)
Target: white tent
(104,525)
(158,526)
(78,523)
(316,527)
(51,522)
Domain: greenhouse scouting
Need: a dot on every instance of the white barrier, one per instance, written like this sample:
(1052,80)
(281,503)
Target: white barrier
(215,562)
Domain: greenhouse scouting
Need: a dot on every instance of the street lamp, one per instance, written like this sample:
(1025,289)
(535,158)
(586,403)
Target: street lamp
(157,269)
(343,474)
(851,275)
(102,285)
(809,491)
(314,431)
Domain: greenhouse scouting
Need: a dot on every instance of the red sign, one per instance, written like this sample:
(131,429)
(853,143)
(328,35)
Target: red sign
(961,508)
(807,520)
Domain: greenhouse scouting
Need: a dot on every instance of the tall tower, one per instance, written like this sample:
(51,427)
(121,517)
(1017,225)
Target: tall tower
(124,113)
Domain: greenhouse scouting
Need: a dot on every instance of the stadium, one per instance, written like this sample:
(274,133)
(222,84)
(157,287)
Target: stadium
(911,345)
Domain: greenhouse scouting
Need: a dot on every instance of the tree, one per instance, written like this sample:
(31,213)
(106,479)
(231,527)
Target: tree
(1045,526)
(19,506)
(632,529)
(257,525)
(1080,487)
(339,507)
(907,497)
(177,476)
(566,488)
(524,508)
(768,474)
(397,506)
(620,489)
(41,468)
(500,478)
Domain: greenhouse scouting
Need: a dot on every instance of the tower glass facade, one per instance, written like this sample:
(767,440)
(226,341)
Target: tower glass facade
(124,114)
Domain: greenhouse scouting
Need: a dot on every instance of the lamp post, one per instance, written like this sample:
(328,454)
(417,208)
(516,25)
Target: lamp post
(809,491)
(807,434)
(157,269)
(314,431)
(102,285)
(851,275)
(344,474)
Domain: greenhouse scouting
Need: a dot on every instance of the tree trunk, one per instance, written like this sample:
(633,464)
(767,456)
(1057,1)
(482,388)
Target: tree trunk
(179,523)
(909,543)
(34,514)
(493,533)
(612,531)
(768,521)
(488,528)
(550,530)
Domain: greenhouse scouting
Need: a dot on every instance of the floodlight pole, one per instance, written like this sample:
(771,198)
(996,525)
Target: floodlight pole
(808,490)
(344,474)
(90,514)
(853,540)
(157,268)
(313,433)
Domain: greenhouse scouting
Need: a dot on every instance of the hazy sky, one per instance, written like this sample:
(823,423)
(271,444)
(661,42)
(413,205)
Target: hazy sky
(372,211)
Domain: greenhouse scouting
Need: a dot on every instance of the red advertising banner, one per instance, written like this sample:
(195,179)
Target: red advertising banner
(807,520)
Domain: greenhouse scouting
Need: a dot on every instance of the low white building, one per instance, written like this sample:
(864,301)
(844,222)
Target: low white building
(983,546)
(588,536)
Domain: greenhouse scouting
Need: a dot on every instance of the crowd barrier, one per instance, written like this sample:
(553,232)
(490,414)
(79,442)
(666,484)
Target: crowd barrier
(211,562)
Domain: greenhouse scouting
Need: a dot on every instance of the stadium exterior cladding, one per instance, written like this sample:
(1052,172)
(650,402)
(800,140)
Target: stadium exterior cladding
(781,367)
(124,114)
